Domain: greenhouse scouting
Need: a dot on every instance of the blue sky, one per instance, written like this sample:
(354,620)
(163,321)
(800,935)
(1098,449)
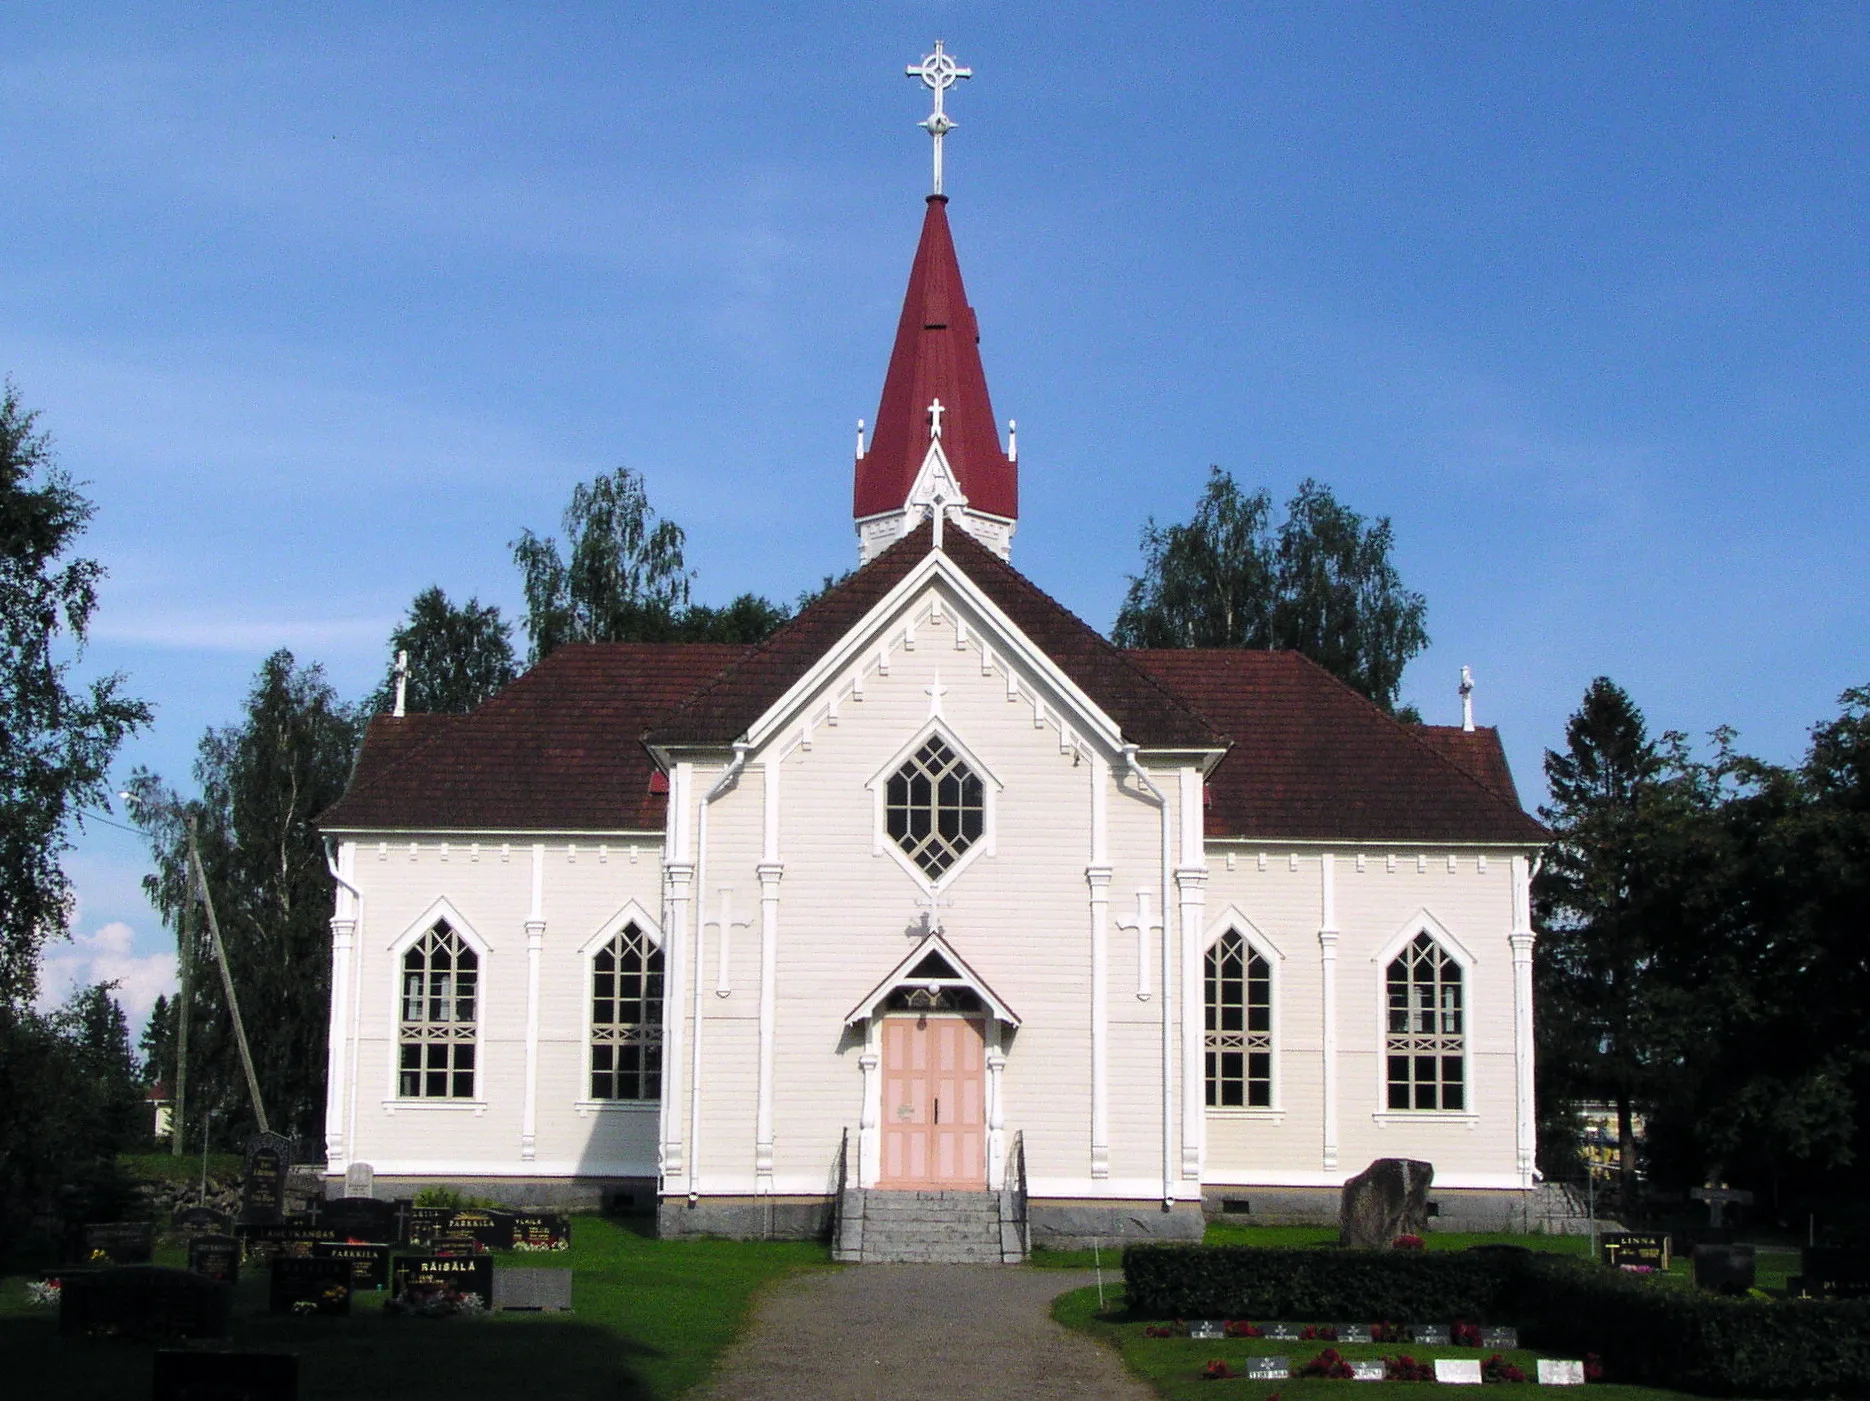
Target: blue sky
(325,304)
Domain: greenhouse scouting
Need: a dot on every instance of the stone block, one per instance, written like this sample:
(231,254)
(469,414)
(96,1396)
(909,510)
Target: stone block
(1386,1200)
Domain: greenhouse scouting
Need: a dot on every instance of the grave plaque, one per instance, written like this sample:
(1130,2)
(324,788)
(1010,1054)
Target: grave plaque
(217,1257)
(143,1301)
(122,1242)
(360,1218)
(1499,1339)
(427,1222)
(463,1274)
(1836,1272)
(200,1221)
(1725,1269)
(370,1263)
(1368,1369)
(490,1230)
(1457,1371)
(263,1180)
(1207,1328)
(226,1376)
(360,1180)
(1267,1369)
(281,1239)
(1429,1335)
(545,1291)
(536,1231)
(1557,1372)
(1280,1333)
(1353,1332)
(1629,1250)
(323,1285)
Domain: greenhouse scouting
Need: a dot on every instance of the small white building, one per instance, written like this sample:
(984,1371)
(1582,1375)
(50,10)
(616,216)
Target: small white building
(934,889)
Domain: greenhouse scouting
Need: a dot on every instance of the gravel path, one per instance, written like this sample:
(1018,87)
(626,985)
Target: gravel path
(900,1332)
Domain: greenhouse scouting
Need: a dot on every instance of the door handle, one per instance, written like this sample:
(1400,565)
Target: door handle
(938,1111)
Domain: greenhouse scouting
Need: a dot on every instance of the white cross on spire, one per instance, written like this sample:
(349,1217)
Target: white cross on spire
(938,73)
(936,409)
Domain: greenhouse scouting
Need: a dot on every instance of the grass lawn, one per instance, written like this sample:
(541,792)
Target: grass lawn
(649,1319)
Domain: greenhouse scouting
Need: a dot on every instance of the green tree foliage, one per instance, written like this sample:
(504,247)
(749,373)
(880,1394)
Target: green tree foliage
(1320,581)
(102,1039)
(625,579)
(56,740)
(458,656)
(157,1046)
(263,782)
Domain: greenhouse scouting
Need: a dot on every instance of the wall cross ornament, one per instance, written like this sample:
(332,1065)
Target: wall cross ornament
(726,923)
(936,409)
(1142,924)
(938,73)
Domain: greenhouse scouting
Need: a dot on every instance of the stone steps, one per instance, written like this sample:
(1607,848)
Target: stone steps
(925,1227)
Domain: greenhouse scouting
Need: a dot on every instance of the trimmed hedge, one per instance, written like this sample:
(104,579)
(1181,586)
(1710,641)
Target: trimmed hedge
(1645,1331)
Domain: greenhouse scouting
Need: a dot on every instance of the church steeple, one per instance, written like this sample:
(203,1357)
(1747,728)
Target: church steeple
(936,439)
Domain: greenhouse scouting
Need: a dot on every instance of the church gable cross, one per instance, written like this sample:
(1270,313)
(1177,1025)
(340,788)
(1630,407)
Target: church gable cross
(936,409)
(1142,924)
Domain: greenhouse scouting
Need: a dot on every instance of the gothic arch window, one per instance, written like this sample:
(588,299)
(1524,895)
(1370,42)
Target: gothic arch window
(438,1018)
(1425,1041)
(934,807)
(1239,1040)
(626,1017)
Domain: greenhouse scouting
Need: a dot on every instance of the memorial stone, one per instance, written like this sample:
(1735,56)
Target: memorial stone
(1368,1369)
(1555,1371)
(1207,1328)
(1280,1333)
(1499,1339)
(1718,1200)
(226,1376)
(1457,1371)
(361,1219)
(1631,1250)
(491,1230)
(1267,1369)
(200,1221)
(1386,1200)
(537,1231)
(464,1275)
(370,1263)
(122,1242)
(360,1180)
(263,1180)
(281,1239)
(427,1222)
(143,1301)
(544,1291)
(325,1285)
(1836,1272)
(1429,1335)
(1725,1269)
(216,1257)
(1354,1332)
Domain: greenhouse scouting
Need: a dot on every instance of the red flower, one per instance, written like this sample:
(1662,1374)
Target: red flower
(1240,1328)
(1158,1330)
(1327,1364)
(1407,1369)
(1593,1367)
(1498,1369)
(1465,1334)
(1406,1243)
(1216,1371)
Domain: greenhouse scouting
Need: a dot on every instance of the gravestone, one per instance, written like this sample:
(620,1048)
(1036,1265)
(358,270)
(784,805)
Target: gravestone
(360,1218)
(1267,1369)
(1725,1269)
(544,1291)
(1836,1272)
(490,1230)
(323,1284)
(123,1242)
(405,1208)
(1207,1328)
(360,1180)
(1457,1371)
(281,1240)
(1718,1200)
(1368,1369)
(1555,1371)
(216,1257)
(1430,1335)
(1631,1250)
(200,1221)
(1280,1333)
(143,1301)
(1499,1339)
(370,1263)
(539,1231)
(226,1376)
(263,1178)
(1386,1200)
(427,1222)
(1353,1332)
(472,1274)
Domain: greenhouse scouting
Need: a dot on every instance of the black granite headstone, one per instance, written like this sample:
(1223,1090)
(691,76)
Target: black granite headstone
(1280,1333)
(1499,1339)
(226,1376)
(1353,1332)
(370,1263)
(309,1286)
(360,1218)
(1632,1250)
(1429,1335)
(491,1230)
(1725,1269)
(217,1257)
(463,1274)
(1207,1328)
(143,1301)
(200,1221)
(540,1231)
(427,1222)
(281,1239)
(263,1182)
(1266,1369)
(122,1242)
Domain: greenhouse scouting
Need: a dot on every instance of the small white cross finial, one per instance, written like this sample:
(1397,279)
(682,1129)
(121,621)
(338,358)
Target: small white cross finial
(935,691)
(936,409)
(1466,689)
(402,682)
(938,73)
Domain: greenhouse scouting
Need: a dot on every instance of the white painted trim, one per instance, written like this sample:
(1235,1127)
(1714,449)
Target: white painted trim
(1236,919)
(867,1005)
(631,913)
(1191,893)
(1424,922)
(1233,921)
(990,795)
(439,909)
(1418,922)
(1271,1116)
(1135,1189)
(1466,1118)
(442,908)
(573,1168)
(476,1106)
(645,1107)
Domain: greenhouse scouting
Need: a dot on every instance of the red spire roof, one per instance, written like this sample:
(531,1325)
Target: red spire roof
(937,356)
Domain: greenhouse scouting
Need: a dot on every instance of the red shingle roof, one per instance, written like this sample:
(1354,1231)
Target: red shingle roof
(1313,760)
(1478,751)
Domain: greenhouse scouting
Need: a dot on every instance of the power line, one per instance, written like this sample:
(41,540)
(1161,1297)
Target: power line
(96,816)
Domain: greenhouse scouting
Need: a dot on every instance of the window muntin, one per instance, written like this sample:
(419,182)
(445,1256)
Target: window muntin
(1425,1042)
(1239,1041)
(626,1018)
(934,807)
(438,1017)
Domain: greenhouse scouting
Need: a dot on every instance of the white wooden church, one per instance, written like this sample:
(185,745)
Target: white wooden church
(935,899)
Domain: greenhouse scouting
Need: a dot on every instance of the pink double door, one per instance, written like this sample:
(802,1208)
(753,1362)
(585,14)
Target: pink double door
(934,1102)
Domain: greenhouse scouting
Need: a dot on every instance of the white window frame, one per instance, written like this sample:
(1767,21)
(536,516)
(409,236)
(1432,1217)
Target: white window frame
(631,913)
(442,910)
(882,842)
(1233,920)
(1424,922)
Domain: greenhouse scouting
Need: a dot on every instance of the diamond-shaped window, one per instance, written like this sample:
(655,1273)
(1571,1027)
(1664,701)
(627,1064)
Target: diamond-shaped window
(934,807)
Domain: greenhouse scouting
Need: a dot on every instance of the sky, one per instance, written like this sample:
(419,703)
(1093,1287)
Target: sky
(325,304)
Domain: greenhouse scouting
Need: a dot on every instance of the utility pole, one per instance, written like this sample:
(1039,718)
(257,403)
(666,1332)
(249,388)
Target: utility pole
(227,977)
(184,960)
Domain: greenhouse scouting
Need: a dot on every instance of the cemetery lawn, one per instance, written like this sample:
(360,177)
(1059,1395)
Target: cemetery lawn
(650,1317)
(1173,1365)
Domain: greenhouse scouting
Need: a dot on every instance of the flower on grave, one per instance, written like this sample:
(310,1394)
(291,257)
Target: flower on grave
(1593,1367)
(1318,1333)
(100,1257)
(1406,1369)
(1464,1334)
(1498,1369)
(1217,1370)
(1158,1330)
(1327,1364)
(471,1304)
(1385,1333)
(1406,1243)
(334,1293)
(1240,1328)
(44,1294)
(305,1306)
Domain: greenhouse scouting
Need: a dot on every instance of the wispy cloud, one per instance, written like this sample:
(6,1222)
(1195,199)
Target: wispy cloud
(107,955)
